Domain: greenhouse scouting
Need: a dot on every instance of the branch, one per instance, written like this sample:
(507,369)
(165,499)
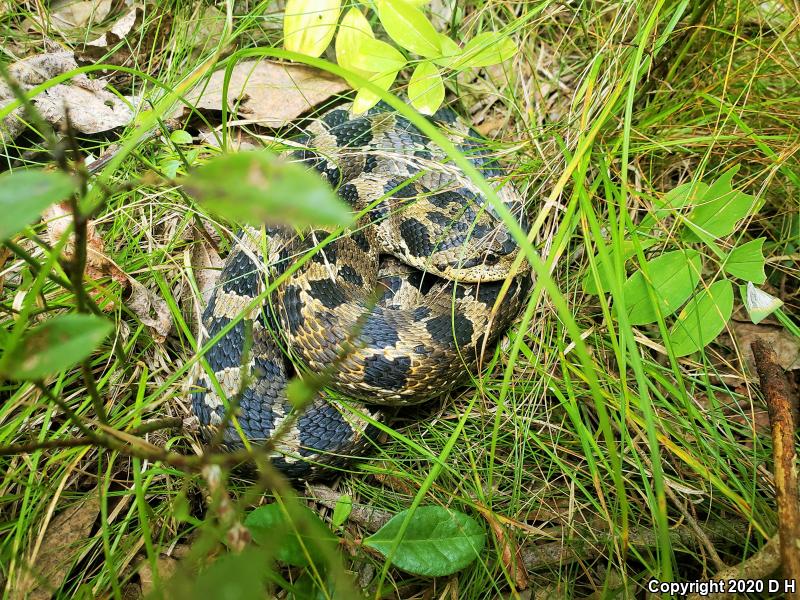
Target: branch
(775,388)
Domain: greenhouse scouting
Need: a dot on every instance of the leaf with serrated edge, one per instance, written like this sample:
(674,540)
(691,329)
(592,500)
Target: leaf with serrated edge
(426,88)
(58,344)
(267,189)
(409,27)
(673,275)
(271,528)
(747,262)
(437,541)
(703,318)
(25,194)
(309,25)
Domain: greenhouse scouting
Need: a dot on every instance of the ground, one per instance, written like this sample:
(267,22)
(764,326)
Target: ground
(594,454)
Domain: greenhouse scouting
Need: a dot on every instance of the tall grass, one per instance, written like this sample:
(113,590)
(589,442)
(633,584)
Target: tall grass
(580,429)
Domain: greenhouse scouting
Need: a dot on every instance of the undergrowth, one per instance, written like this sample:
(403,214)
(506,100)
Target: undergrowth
(585,446)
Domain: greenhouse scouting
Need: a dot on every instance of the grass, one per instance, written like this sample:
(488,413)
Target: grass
(582,431)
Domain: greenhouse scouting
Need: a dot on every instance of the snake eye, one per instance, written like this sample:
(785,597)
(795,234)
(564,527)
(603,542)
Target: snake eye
(491,258)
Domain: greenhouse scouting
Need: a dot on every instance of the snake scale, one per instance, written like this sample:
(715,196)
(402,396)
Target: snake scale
(396,311)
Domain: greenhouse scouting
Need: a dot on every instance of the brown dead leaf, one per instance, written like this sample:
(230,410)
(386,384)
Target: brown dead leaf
(166,567)
(91,107)
(67,15)
(5,254)
(58,218)
(60,547)
(510,552)
(207,266)
(151,309)
(785,345)
(266,92)
(127,41)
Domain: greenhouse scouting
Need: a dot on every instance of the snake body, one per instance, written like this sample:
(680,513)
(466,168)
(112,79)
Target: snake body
(396,311)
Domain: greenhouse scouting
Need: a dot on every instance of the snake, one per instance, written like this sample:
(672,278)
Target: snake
(397,310)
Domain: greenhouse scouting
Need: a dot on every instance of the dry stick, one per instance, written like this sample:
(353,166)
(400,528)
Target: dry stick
(760,565)
(782,548)
(148,427)
(775,388)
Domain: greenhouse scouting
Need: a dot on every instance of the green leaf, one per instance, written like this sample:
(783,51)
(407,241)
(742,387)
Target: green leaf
(258,187)
(486,49)
(703,318)
(677,198)
(450,51)
(365,99)
(272,529)
(25,194)
(409,27)
(181,136)
(308,25)
(604,272)
(353,29)
(58,344)
(747,262)
(759,304)
(718,210)
(426,88)
(376,56)
(234,577)
(674,275)
(437,541)
(342,510)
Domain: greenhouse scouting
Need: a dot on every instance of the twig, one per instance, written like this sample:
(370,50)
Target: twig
(149,427)
(775,388)
(368,517)
(760,565)
(537,557)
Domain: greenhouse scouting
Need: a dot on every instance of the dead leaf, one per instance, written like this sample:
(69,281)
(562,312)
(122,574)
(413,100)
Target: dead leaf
(266,92)
(126,41)
(207,266)
(5,254)
(152,310)
(510,552)
(91,107)
(66,15)
(166,567)
(57,219)
(60,547)
(785,345)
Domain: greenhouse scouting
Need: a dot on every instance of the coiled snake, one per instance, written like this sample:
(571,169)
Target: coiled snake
(396,311)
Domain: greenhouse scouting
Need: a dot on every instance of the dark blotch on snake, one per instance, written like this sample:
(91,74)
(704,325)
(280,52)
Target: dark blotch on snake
(415,235)
(353,134)
(450,328)
(379,331)
(240,276)
(335,117)
(350,275)
(293,307)
(381,372)
(349,193)
(327,292)
(361,240)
